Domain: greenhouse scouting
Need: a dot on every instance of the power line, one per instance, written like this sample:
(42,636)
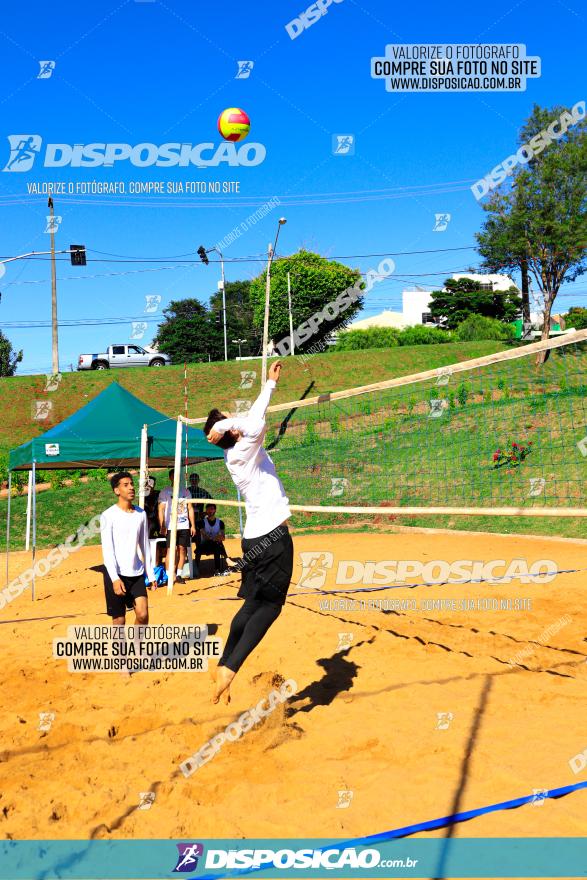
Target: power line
(253,259)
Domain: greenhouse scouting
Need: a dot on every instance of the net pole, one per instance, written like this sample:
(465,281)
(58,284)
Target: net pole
(266,317)
(143,467)
(29,501)
(185,412)
(174,502)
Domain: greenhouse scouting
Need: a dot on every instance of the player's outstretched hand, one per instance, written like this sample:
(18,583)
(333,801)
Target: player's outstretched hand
(274,371)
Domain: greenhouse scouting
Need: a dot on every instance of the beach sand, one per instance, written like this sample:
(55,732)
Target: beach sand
(364,719)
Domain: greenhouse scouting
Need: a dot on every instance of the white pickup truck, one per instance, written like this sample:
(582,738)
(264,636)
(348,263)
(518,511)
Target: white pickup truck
(123,356)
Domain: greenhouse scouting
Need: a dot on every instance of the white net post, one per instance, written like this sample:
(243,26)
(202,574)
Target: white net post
(174,503)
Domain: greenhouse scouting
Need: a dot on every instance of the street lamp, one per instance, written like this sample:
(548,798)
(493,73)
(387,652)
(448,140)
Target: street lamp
(203,252)
(270,254)
(239,342)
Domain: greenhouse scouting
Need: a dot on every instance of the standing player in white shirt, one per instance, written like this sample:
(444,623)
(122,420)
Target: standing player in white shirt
(124,532)
(186,525)
(267,544)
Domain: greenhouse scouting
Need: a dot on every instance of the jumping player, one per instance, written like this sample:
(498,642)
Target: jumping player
(267,545)
(124,530)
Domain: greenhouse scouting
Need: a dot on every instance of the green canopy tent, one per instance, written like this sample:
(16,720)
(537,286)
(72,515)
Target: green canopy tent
(115,429)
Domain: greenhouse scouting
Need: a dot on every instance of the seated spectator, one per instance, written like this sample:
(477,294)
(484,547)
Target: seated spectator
(196,491)
(211,532)
(152,511)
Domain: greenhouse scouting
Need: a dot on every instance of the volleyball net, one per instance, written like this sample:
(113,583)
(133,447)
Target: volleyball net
(504,434)
(500,435)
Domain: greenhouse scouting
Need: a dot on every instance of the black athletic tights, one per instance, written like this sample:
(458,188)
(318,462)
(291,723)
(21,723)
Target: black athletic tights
(248,627)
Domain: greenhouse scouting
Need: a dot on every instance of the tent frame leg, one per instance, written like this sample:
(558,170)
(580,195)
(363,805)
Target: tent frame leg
(34,471)
(29,501)
(8,523)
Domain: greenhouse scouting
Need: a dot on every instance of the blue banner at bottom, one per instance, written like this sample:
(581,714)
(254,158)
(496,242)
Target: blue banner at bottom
(212,859)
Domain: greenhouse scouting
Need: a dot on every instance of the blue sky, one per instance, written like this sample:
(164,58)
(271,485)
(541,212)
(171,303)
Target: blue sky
(158,72)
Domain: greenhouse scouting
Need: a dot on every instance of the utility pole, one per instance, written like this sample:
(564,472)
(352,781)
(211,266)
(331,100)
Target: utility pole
(270,254)
(291,333)
(54,331)
(203,255)
(224,306)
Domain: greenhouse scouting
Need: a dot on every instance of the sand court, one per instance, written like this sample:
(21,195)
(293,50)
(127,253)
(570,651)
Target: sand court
(436,700)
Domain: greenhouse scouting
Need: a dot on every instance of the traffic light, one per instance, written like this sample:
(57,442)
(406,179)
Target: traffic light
(218,319)
(78,254)
(203,255)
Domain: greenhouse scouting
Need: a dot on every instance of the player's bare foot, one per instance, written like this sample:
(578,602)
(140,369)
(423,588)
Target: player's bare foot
(224,677)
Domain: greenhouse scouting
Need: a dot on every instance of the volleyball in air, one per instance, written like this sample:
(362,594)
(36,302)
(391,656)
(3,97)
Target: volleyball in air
(234,124)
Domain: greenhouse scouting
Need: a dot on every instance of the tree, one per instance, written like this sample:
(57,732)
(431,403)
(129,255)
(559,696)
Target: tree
(576,317)
(540,214)
(477,327)
(372,337)
(315,283)
(465,296)
(239,318)
(9,358)
(189,333)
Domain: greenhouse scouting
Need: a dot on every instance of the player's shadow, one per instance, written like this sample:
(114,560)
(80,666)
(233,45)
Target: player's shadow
(339,675)
(464,774)
(284,424)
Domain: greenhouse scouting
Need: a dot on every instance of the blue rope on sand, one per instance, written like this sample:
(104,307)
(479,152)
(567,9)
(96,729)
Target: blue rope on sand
(418,827)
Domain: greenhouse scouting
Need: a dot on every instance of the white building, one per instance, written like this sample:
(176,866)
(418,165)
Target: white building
(416,304)
(385,319)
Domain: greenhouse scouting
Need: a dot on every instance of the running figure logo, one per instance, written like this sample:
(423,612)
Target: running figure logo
(46,71)
(345,797)
(443,720)
(41,409)
(247,378)
(537,485)
(152,300)
(46,719)
(52,381)
(53,223)
(146,800)
(345,640)
(441,222)
(314,568)
(437,408)
(23,151)
(189,853)
(138,329)
(244,69)
(343,145)
(241,407)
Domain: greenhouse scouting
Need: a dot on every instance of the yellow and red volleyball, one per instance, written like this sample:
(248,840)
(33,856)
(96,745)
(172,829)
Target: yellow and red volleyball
(234,124)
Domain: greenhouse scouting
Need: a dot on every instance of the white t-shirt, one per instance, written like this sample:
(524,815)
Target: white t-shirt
(165,497)
(124,534)
(253,471)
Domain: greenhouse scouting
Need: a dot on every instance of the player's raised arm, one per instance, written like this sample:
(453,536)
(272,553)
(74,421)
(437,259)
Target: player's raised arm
(259,408)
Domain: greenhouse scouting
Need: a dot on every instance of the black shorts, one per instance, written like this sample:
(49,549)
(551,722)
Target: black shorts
(183,537)
(268,566)
(117,606)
